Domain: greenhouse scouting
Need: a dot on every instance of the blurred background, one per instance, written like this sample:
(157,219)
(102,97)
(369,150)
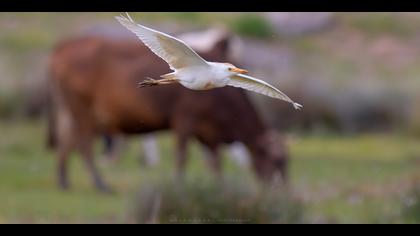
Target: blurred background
(354,149)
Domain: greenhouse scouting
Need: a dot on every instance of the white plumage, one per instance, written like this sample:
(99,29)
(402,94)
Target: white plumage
(191,70)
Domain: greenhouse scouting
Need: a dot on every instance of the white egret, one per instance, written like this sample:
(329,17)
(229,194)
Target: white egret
(192,71)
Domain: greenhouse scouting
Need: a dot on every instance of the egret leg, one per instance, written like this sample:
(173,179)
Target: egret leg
(152,82)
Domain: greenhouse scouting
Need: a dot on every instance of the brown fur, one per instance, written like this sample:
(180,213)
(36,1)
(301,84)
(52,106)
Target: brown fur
(94,92)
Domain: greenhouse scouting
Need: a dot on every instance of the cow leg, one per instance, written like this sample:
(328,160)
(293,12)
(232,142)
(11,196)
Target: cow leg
(259,167)
(109,147)
(66,142)
(181,158)
(284,173)
(214,161)
(113,145)
(63,155)
(150,150)
(183,127)
(86,150)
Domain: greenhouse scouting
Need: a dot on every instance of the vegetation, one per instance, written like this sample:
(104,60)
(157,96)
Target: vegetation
(253,26)
(411,206)
(202,201)
(359,178)
(334,179)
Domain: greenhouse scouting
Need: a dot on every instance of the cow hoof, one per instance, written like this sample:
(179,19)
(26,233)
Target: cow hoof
(106,190)
(64,186)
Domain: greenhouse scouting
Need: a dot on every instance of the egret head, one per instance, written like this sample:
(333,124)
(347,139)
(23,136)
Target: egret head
(235,70)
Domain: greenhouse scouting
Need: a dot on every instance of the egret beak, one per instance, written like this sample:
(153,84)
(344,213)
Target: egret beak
(240,71)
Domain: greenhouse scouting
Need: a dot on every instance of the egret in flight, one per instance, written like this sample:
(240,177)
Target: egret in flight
(191,70)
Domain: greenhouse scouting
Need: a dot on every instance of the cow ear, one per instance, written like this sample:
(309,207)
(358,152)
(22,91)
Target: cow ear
(223,46)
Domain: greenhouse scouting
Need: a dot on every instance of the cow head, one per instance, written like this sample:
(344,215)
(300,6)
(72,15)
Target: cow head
(270,157)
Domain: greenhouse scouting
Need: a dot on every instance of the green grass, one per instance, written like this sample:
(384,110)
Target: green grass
(339,179)
(411,205)
(355,179)
(10,104)
(381,23)
(252,25)
(203,200)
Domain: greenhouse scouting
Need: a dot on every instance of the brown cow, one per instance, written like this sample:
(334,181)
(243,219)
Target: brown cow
(94,92)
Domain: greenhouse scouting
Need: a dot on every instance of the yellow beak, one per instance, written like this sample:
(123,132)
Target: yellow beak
(240,71)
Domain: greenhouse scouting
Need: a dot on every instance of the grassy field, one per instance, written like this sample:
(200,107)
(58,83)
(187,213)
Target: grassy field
(339,179)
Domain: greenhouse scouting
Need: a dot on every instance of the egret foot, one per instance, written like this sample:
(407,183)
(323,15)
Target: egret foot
(148,82)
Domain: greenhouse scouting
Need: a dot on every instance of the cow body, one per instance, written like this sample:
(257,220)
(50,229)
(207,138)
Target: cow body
(94,92)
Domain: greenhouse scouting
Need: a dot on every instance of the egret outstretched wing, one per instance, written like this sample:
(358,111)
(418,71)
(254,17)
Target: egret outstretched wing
(260,86)
(175,52)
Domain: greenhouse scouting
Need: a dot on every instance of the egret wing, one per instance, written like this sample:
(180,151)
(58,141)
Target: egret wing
(174,51)
(261,87)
